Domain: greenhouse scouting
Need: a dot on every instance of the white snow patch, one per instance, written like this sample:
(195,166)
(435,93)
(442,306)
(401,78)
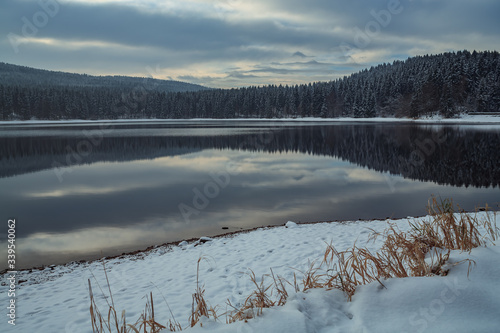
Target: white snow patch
(56,300)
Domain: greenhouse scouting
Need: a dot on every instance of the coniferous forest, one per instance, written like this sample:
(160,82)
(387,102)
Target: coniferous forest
(448,84)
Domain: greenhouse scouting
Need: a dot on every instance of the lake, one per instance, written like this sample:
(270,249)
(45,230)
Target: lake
(86,190)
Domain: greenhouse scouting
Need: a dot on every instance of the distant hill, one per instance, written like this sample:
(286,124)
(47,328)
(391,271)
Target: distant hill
(30,77)
(448,84)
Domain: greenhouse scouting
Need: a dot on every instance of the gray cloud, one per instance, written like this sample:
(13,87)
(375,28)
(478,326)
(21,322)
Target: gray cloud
(299,54)
(131,26)
(239,75)
(198,46)
(295,67)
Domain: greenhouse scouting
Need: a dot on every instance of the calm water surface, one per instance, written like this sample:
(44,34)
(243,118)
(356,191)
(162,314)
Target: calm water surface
(82,191)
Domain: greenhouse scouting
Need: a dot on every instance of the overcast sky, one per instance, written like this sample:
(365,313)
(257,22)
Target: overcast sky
(234,43)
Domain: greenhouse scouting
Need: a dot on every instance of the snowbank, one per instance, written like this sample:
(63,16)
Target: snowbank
(56,299)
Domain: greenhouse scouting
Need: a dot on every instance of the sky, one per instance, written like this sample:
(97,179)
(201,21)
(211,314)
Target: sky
(236,43)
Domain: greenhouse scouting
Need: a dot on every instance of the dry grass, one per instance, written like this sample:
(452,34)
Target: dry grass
(312,278)
(112,323)
(422,251)
(99,323)
(145,323)
(199,307)
(454,231)
(357,266)
(279,285)
(254,304)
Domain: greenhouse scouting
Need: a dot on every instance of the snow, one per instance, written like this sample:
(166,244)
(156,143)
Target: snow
(463,119)
(437,304)
(56,299)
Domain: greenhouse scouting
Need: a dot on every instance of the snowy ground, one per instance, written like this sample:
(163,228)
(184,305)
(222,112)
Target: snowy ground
(56,299)
(464,119)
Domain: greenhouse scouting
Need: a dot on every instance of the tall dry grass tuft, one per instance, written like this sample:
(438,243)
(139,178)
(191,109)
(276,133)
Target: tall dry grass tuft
(349,269)
(254,304)
(147,321)
(279,285)
(423,251)
(112,323)
(312,278)
(454,230)
(199,307)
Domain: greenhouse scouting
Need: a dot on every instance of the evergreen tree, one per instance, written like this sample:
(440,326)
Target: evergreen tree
(449,84)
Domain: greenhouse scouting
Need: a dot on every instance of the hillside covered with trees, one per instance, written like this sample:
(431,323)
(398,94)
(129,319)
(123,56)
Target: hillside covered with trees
(448,84)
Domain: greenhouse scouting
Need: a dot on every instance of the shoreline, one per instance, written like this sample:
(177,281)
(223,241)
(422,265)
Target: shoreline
(466,120)
(197,240)
(168,245)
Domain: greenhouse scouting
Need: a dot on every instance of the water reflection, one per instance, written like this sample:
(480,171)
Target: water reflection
(442,154)
(125,194)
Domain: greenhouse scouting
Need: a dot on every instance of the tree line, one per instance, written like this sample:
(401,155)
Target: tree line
(448,84)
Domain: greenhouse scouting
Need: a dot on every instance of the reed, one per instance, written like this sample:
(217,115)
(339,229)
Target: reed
(199,307)
(110,322)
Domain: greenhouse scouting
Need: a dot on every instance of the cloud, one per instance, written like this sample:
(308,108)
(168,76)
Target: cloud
(299,54)
(239,75)
(202,40)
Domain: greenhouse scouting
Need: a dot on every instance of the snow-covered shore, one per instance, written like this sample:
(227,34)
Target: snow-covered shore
(464,119)
(56,299)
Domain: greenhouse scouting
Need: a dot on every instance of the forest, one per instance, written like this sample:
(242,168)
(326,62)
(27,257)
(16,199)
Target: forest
(447,84)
